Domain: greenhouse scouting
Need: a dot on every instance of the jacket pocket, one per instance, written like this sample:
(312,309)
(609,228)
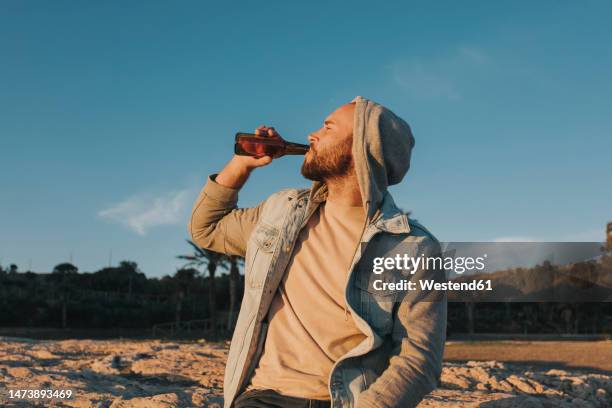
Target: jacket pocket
(377,301)
(264,239)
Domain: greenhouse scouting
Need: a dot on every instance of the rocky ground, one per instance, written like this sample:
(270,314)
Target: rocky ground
(182,374)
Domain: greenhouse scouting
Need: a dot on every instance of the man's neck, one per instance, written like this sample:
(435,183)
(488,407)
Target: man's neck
(344,191)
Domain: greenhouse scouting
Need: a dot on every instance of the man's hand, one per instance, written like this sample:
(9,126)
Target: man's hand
(237,171)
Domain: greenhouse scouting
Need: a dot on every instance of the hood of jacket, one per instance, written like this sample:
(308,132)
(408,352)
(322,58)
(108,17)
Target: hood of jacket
(382,146)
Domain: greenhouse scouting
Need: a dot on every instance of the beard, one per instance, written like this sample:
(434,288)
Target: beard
(330,163)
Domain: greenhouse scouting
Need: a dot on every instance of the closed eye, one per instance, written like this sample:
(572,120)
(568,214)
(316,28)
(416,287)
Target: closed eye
(327,123)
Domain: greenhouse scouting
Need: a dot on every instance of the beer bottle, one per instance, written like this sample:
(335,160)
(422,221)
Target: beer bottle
(249,144)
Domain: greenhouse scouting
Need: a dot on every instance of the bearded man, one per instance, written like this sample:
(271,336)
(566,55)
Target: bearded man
(311,330)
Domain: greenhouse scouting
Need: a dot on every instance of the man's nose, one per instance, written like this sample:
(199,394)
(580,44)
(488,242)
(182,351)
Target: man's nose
(312,138)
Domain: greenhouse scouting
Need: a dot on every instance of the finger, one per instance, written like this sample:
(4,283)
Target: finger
(262,161)
(262,130)
(272,131)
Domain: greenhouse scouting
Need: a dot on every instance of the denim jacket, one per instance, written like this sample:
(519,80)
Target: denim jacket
(400,360)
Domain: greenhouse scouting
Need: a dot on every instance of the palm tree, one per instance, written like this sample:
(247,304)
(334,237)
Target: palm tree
(184,280)
(63,275)
(211,260)
(129,269)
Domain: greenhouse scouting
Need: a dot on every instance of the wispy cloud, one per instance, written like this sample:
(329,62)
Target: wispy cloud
(418,79)
(440,77)
(144,211)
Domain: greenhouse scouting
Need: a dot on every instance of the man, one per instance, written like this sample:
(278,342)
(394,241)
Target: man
(311,331)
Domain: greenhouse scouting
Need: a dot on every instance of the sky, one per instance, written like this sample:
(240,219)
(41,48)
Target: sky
(113,114)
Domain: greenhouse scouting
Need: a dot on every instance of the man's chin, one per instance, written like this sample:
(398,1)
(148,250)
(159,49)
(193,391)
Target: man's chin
(309,174)
(313,179)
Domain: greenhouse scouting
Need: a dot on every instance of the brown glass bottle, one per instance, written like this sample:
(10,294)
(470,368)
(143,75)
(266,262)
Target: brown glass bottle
(249,144)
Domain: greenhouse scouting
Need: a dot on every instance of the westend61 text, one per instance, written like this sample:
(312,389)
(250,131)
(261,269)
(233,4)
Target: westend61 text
(428,284)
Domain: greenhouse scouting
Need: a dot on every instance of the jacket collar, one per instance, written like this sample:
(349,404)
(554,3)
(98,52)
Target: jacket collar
(387,218)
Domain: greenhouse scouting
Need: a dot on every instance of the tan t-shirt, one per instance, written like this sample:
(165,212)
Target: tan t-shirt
(309,326)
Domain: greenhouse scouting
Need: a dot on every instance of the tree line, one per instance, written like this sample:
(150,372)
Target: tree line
(122,295)
(210,286)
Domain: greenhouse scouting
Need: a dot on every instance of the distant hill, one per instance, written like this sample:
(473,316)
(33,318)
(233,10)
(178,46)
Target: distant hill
(580,282)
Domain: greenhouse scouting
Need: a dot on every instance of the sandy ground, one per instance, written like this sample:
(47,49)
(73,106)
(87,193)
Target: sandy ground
(182,374)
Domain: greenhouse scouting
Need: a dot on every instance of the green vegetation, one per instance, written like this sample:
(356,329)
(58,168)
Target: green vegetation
(119,296)
(210,287)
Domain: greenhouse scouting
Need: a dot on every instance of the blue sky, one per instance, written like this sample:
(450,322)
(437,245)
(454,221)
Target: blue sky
(112,114)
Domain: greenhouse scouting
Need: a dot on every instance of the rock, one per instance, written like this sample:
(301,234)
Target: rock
(479,374)
(112,365)
(521,385)
(558,373)
(18,372)
(487,364)
(455,381)
(505,386)
(482,387)
(43,354)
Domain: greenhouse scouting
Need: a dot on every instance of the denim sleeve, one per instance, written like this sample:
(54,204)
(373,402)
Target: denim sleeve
(419,334)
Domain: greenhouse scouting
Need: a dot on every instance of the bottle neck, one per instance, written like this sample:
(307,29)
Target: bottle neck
(296,148)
